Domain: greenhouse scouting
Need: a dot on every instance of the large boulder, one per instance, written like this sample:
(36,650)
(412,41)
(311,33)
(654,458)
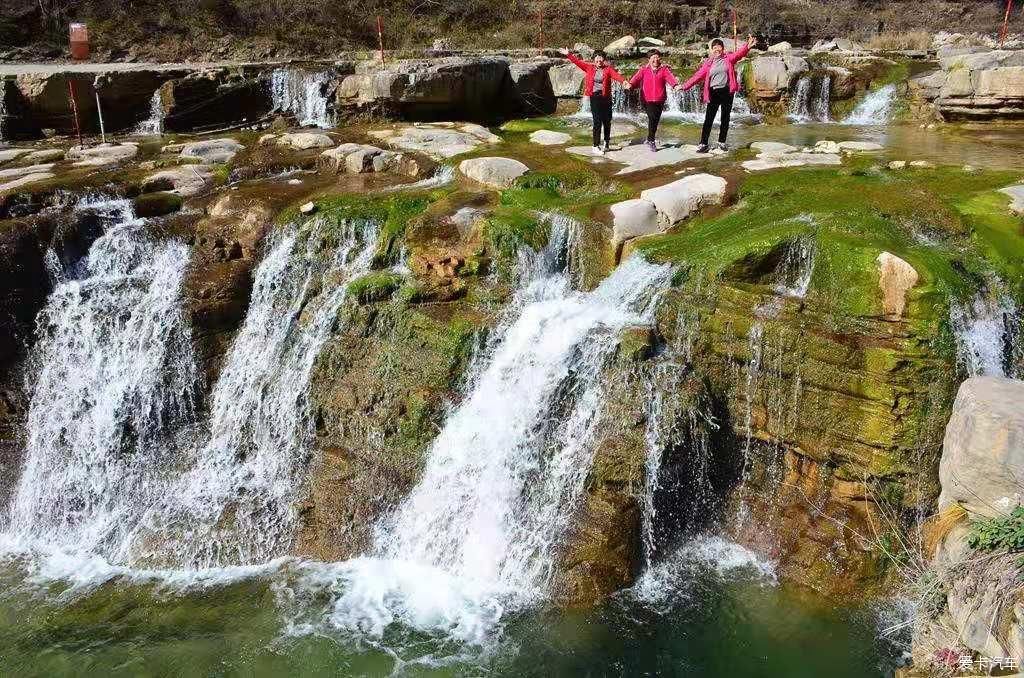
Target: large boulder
(493,172)
(304,140)
(184,180)
(566,80)
(466,88)
(973,85)
(439,140)
(103,154)
(622,47)
(982,466)
(772,75)
(679,199)
(546,137)
(212,98)
(632,219)
(532,85)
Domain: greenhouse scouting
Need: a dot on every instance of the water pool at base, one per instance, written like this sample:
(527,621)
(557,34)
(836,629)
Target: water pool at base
(704,614)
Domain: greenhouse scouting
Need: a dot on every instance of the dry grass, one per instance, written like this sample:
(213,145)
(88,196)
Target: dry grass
(891,41)
(935,529)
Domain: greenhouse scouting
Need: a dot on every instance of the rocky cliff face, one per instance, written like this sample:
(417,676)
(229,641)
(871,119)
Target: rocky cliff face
(975,84)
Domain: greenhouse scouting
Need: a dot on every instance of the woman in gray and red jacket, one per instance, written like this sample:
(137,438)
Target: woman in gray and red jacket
(718,75)
(597,85)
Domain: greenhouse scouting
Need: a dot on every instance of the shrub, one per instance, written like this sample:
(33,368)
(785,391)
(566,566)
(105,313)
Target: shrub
(919,40)
(1003,532)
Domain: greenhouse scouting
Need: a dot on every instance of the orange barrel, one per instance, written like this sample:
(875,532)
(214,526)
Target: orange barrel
(79,36)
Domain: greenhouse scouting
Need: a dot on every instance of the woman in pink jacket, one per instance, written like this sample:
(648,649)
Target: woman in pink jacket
(653,79)
(718,73)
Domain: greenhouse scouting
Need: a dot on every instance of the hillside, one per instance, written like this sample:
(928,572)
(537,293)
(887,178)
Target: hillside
(223,29)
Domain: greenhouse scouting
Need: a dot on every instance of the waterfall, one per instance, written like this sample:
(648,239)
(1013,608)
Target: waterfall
(154,124)
(111,392)
(989,333)
(684,107)
(303,94)
(810,101)
(237,504)
(874,109)
(505,473)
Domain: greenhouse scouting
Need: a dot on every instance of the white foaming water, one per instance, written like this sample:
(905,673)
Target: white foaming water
(810,101)
(659,585)
(874,109)
(989,335)
(111,395)
(505,473)
(796,269)
(154,124)
(442,176)
(303,94)
(679,106)
(237,504)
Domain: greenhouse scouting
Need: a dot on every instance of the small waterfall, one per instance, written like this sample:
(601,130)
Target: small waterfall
(3,113)
(303,94)
(237,505)
(442,176)
(505,473)
(874,109)
(154,124)
(989,333)
(810,100)
(112,392)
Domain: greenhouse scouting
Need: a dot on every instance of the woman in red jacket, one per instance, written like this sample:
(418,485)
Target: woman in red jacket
(718,73)
(653,80)
(597,84)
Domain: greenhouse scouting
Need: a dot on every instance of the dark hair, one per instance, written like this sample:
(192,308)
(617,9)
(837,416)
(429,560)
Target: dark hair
(718,41)
(601,54)
(653,52)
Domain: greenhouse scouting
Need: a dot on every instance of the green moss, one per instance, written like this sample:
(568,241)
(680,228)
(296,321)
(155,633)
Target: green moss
(941,222)
(375,286)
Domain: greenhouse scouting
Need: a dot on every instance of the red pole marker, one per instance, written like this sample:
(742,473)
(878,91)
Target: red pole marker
(74,110)
(380,38)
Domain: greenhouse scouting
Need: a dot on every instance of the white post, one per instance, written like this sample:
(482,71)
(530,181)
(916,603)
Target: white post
(99,111)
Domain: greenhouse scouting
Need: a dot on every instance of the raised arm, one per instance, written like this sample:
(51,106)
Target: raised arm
(738,54)
(698,75)
(580,63)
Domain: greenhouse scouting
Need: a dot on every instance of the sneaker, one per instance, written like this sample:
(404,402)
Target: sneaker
(598,150)
(703,148)
(652,145)
(721,145)
(607,147)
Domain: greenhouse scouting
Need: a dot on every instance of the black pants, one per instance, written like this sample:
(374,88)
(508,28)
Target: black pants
(601,110)
(654,109)
(720,98)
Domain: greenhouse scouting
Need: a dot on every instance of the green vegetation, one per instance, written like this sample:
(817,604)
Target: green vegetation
(375,286)
(944,222)
(1003,532)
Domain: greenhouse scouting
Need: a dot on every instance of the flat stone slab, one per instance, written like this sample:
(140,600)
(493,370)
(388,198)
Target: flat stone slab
(637,157)
(860,146)
(8,154)
(304,140)
(25,180)
(772,148)
(212,151)
(1016,194)
(493,172)
(27,169)
(679,199)
(104,154)
(546,137)
(186,180)
(439,140)
(799,159)
(45,155)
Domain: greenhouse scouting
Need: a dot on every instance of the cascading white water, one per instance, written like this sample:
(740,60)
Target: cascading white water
(154,124)
(989,335)
(3,114)
(504,474)
(810,100)
(112,393)
(237,504)
(442,176)
(303,94)
(684,106)
(874,109)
